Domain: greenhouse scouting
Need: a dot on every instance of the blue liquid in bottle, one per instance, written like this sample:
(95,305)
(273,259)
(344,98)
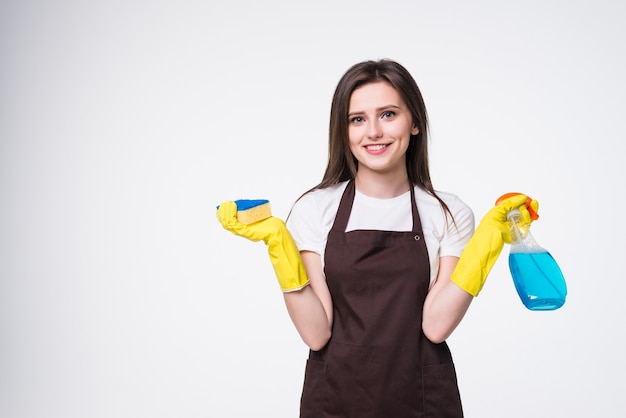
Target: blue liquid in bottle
(537,276)
(538,280)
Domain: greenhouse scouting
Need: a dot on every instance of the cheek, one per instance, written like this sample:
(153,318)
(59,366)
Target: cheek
(354,143)
(354,136)
(354,147)
(401,131)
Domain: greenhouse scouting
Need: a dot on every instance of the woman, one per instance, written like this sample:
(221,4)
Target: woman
(371,265)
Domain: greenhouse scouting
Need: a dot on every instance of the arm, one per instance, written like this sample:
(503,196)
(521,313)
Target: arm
(459,280)
(311,308)
(445,305)
(300,275)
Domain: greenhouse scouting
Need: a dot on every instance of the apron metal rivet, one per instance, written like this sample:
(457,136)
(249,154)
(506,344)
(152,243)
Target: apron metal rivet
(417,238)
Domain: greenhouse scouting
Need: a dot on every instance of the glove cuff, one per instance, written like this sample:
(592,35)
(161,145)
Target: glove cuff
(286,260)
(476,261)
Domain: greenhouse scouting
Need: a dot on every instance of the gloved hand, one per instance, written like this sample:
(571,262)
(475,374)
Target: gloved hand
(282,250)
(483,249)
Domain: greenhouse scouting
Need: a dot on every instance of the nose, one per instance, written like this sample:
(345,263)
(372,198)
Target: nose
(374,129)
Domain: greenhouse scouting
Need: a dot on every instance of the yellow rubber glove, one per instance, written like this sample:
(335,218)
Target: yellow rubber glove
(483,249)
(282,250)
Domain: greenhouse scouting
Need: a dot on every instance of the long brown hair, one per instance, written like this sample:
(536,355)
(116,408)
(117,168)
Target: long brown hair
(342,165)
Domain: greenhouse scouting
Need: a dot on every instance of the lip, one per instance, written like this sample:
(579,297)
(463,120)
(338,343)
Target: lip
(376,149)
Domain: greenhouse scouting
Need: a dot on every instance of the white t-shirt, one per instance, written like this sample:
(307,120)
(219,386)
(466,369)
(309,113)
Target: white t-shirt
(313,215)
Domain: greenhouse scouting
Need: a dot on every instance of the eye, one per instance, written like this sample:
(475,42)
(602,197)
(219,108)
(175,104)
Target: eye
(356,119)
(388,114)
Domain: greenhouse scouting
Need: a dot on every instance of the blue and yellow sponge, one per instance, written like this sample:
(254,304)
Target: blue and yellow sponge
(252,210)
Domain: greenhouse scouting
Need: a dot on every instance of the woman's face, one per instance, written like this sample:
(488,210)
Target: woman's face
(379,128)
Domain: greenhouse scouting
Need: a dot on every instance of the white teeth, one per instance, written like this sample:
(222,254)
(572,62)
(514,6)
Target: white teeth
(375,147)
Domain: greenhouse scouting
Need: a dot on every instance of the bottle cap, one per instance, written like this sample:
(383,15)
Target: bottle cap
(533,214)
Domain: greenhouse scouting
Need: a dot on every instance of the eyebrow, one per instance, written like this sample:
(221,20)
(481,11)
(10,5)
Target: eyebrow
(378,109)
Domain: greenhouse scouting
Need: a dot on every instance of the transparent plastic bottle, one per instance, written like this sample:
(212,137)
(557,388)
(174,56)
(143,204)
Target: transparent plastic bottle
(537,276)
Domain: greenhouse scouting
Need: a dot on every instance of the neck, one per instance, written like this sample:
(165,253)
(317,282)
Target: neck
(380,186)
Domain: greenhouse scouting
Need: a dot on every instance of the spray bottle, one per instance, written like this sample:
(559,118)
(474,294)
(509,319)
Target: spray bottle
(537,276)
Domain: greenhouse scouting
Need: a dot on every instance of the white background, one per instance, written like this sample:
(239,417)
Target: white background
(124,123)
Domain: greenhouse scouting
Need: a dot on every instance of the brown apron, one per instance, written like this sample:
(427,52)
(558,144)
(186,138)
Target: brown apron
(378,363)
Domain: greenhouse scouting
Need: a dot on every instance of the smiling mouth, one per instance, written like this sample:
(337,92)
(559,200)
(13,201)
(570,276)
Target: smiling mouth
(376,147)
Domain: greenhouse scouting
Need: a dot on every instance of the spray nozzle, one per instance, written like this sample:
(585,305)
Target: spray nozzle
(531,210)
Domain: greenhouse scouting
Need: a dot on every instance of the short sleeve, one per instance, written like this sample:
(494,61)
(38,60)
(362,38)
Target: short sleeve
(304,224)
(458,232)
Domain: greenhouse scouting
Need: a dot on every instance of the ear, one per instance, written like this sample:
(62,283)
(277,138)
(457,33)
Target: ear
(415,130)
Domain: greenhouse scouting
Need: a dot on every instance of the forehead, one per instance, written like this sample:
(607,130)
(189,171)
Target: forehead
(376,94)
